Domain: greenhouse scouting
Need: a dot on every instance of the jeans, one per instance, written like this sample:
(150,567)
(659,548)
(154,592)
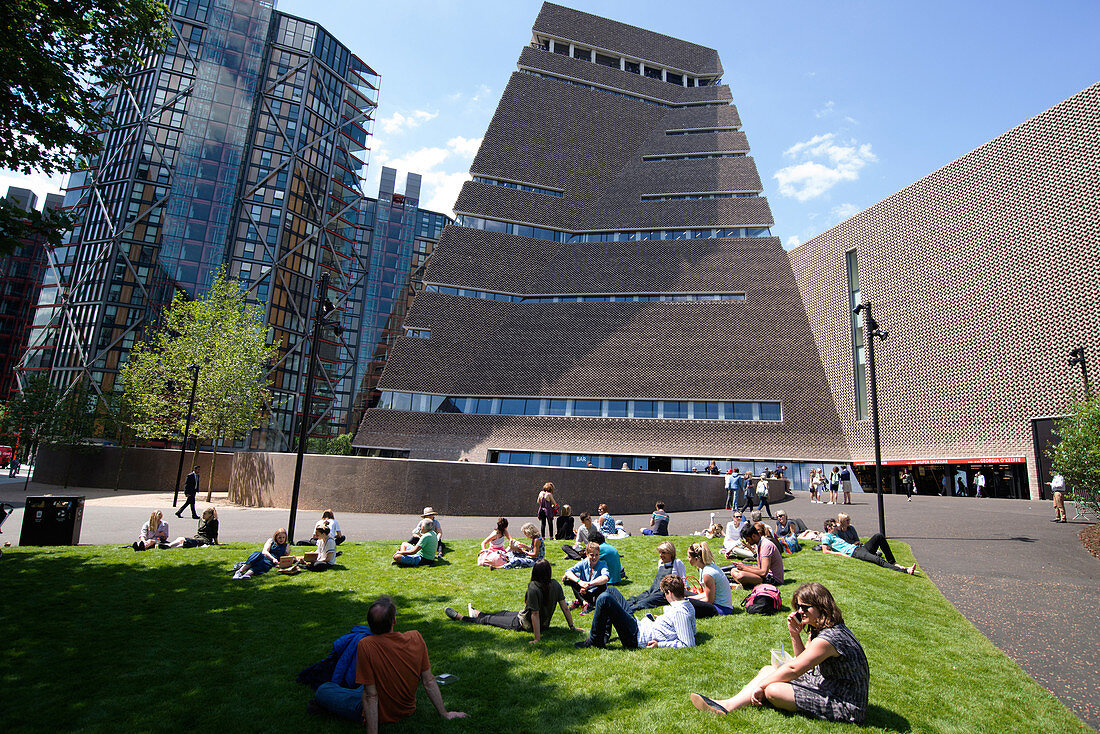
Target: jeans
(611,612)
(764,503)
(504,620)
(347,703)
(869,552)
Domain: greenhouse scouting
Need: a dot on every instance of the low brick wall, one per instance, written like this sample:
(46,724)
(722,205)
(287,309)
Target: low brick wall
(405,486)
(146,470)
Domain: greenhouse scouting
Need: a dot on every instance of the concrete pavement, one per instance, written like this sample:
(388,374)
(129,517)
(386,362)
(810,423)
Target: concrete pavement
(1024,582)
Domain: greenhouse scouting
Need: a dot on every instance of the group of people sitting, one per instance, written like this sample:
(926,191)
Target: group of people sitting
(276,551)
(154,533)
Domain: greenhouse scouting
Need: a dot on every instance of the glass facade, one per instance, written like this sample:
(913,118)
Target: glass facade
(239,146)
(859,372)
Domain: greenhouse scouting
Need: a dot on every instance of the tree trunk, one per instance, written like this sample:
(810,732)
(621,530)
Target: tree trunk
(213,463)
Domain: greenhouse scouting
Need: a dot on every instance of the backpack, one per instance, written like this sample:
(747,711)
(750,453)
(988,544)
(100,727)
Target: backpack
(764,599)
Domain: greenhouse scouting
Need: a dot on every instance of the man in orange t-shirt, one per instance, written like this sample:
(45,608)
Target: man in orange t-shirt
(389,665)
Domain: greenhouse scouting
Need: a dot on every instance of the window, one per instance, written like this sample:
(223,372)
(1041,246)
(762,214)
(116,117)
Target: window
(588,408)
(511,406)
(561,48)
(677,79)
(582,53)
(616,409)
(770,412)
(859,374)
(742,411)
(608,61)
(557,407)
(633,67)
(652,73)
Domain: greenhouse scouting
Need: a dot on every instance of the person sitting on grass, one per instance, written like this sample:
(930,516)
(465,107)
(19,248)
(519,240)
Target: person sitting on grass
(576,551)
(674,628)
(263,560)
(543,595)
(494,549)
(389,666)
(154,532)
(524,556)
(206,534)
(732,545)
(769,560)
(429,514)
(658,521)
(609,526)
(845,530)
(326,555)
(609,555)
(828,678)
(716,597)
(422,552)
(565,524)
(667,563)
(833,544)
(588,579)
(328,520)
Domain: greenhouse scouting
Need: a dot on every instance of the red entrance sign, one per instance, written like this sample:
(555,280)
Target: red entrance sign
(945,460)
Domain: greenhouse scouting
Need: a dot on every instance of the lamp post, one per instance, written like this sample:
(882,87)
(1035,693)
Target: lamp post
(871,331)
(1077,357)
(186,431)
(320,321)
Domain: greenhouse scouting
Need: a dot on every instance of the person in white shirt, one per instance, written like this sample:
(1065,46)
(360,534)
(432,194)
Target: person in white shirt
(326,554)
(674,628)
(1058,487)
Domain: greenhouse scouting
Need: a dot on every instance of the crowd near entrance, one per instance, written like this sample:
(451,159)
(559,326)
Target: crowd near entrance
(1004,477)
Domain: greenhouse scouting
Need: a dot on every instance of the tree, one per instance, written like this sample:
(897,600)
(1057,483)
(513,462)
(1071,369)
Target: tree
(338,445)
(116,422)
(57,60)
(1077,455)
(227,340)
(45,415)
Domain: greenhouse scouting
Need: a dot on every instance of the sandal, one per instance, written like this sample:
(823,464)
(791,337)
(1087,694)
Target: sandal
(703,703)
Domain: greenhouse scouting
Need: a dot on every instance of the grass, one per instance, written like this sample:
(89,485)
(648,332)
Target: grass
(102,639)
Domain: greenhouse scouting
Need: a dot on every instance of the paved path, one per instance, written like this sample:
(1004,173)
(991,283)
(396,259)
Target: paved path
(1024,582)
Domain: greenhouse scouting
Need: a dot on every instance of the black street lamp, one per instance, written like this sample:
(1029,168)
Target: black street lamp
(871,331)
(1077,357)
(186,431)
(324,310)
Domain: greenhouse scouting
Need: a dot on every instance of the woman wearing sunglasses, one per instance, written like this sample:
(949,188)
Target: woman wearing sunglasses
(827,679)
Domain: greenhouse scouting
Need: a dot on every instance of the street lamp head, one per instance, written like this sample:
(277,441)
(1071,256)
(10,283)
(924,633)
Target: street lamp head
(881,334)
(859,309)
(327,308)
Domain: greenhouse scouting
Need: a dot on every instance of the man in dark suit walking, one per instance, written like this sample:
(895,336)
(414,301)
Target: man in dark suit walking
(190,489)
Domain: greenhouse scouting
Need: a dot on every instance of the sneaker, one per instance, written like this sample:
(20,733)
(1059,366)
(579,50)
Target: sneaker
(237,575)
(470,611)
(239,565)
(586,642)
(452,614)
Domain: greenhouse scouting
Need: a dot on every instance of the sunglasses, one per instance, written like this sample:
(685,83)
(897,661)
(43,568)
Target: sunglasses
(803,607)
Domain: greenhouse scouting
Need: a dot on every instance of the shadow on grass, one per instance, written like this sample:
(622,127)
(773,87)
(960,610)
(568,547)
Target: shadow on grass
(886,719)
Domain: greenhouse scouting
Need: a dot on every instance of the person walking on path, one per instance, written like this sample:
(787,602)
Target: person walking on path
(548,509)
(1058,488)
(762,496)
(907,482)
(190,489)
(834,485)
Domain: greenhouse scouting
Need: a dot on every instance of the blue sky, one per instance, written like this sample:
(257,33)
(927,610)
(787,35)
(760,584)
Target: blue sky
(844,103)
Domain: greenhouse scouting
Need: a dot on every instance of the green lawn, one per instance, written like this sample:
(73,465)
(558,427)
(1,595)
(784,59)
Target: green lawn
(102,639)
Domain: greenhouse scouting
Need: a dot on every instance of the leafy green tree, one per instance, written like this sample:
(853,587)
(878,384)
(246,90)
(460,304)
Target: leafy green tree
(339,445)
(1077,455)
(226,339)
(57,58)
(116,423)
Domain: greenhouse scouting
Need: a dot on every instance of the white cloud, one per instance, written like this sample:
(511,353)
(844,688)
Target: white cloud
(824,162)
(793,241)
(826,110)
(397,122)
(466,147)
(844,211)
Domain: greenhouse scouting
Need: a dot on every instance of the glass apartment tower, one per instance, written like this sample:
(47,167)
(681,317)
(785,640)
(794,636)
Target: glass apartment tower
(610,292)
(239,146)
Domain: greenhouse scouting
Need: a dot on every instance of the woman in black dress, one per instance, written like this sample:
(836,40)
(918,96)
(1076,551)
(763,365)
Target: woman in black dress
(827,678)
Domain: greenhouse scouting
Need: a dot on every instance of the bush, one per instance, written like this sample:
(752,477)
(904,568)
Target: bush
(1077,456)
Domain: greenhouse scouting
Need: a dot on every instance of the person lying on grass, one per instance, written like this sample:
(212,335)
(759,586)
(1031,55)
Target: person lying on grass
(845,530)
(421,552)
(543,594)
(263,560)
(716,596)
(326,554)
(667,563)
(674,628)
(769,564)
(588,578)
(206,534)
(828,677)
(833,544)
(153,532)
(390,666)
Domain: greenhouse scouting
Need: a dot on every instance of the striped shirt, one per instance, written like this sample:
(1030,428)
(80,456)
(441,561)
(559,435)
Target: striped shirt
(674,628)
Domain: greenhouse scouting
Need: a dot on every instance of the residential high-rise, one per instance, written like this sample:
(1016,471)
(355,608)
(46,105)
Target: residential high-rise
(610,292)
(239,146)
(20,278)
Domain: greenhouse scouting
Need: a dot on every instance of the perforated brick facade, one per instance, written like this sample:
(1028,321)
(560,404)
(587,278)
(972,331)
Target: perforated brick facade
(596,144)
(985,273)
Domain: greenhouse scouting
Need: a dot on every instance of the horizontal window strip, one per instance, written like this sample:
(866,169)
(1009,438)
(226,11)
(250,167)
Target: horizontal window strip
(527,230)
(695,156)
(701,130)
(583,407)
(702,195)
(519,186)
(620,93)
(449,290)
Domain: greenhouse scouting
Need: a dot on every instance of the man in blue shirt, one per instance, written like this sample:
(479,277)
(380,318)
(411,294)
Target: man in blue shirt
(610,556)
(588,578)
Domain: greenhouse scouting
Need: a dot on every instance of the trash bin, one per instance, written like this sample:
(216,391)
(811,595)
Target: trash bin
(52,520)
